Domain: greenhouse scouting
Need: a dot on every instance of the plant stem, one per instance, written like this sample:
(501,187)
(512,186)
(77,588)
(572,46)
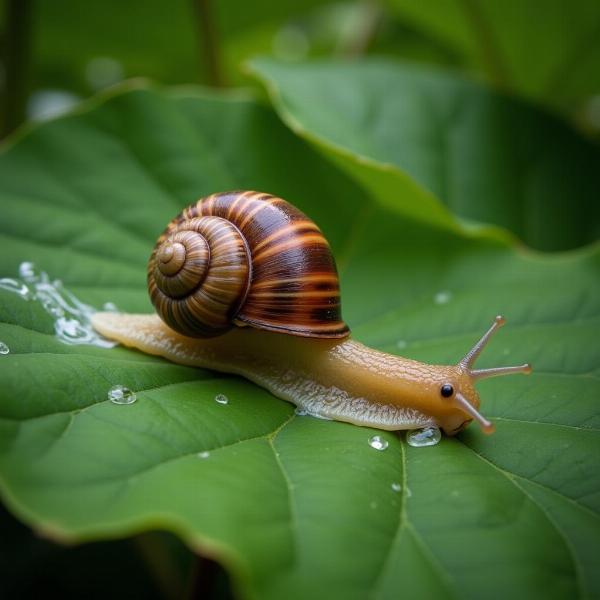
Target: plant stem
(16,59)
(209,42)
(484,36)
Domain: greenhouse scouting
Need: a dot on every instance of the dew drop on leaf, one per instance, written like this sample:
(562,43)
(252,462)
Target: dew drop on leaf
(378,442)
(27,271)
(443,297)
(428,436)
(71,331)
(119,394)
(221,399)
(50,303)
(16,287)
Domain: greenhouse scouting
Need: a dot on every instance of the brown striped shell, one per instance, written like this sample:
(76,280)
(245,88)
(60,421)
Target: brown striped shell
(245,258)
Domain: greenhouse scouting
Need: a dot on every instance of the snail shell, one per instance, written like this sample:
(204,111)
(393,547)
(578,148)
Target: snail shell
(245,259)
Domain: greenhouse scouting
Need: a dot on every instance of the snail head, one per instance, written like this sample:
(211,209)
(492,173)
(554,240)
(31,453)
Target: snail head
(459,389)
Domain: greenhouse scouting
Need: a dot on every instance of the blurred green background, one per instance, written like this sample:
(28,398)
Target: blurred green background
(55,52)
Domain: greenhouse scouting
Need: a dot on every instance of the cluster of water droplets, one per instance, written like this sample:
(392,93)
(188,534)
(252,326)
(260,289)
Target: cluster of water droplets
(419,438)
(72,318)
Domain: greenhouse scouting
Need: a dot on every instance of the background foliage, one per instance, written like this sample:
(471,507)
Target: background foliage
(450,158)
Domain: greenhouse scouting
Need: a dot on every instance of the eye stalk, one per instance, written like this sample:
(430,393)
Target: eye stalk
(466,364)
(469,360)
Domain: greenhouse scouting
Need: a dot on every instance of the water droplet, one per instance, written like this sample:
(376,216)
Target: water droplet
(50,303)
(110,307)
(70,331)
(81,309)
(378,442)
(221,399)
(301,412)
(16,287)
(408,493)
(401,344)
(428,436)
(119,394)
(49,103)
(397,487)
(27,271)
(442,297)
(204,454)
(4,349)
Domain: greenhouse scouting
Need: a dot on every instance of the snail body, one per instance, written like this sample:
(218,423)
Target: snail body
(245,283)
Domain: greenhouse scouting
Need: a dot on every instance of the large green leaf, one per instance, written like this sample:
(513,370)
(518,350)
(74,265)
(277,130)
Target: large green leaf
(487,157)
(295,507)
(547,51)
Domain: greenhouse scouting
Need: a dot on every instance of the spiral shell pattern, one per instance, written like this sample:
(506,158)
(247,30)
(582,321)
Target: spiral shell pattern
(245,258)
(198,276)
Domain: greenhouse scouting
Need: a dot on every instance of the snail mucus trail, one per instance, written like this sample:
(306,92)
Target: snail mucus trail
(245,283)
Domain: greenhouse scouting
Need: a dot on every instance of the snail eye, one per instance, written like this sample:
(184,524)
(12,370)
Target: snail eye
(447,390)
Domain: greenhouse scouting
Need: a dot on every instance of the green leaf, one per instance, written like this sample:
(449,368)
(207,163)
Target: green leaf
(295,507)
(487,157)
(554,62)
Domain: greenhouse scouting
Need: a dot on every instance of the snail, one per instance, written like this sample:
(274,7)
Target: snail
(245,283)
